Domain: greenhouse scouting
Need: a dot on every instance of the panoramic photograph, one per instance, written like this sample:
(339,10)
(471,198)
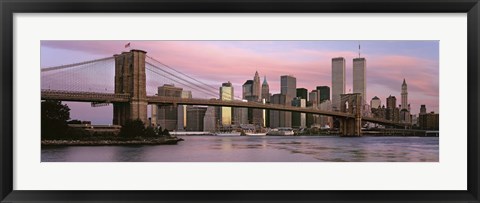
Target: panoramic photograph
(239,101)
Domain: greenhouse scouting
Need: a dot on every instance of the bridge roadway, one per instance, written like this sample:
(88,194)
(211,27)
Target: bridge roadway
(114,98)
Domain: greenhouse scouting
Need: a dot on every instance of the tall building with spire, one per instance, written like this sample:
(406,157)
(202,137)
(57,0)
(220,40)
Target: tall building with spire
(404,95)
(265,90)
(257,87)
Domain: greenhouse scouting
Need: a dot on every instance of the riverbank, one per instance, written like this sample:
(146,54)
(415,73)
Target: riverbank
(157,141)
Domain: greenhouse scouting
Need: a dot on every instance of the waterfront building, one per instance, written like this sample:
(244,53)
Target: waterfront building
(415,120)
(167,116)
(404,95)
(265,90)
(338,81)
(252,92)
(313,102)
(210,119)
(404,116)
(324,93)
(325,121)
(360,78)
(429,121)
(225,113)
(375,103)
(182,111)
(314,98)
(240,115)
(266,115)
(288,86)
(277,119)
(154,115)
(195,118)
(299,119)
(380,112)
(266,99)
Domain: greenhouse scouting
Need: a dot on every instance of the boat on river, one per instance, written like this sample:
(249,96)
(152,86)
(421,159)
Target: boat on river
(281,132)
(255,134)
(227,134)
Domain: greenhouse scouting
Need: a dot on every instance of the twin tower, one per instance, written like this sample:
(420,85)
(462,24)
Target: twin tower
(130,79)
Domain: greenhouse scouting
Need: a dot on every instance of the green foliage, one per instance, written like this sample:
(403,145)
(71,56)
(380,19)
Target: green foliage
(165,133)
(133,128)
(150,132)
(76,134)
(75,122)
(54,117)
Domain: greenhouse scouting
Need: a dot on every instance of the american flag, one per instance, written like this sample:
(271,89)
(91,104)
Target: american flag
(127,45)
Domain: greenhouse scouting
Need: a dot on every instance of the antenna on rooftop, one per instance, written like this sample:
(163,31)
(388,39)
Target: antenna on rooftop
(358,49)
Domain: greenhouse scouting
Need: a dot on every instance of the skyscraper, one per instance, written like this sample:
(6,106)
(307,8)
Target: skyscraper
(314,98)
(257,87)
(299,119)
(210,119)
(288,86)
(324,93)
(404,95)
(226,94)
(302,93)
(392,112)
(359,77)
(423,109)
(277,118)
(391,102)
(195,115)
(182,111)
(338,81)
(167,115)
(247,89)
(375,103)
(265,90)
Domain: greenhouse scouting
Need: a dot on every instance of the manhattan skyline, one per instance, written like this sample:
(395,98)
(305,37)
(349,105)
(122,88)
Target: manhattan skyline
(216,62)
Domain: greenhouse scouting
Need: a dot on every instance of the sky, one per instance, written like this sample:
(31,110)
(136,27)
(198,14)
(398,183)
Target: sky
(216,62)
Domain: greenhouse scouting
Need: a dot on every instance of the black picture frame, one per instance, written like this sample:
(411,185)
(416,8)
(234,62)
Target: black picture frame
(10,7)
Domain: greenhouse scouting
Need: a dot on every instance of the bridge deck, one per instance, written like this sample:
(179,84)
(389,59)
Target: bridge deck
(119,98)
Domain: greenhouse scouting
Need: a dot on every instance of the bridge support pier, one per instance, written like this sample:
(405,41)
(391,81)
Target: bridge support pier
(351,127)
(351,103)
(130,79)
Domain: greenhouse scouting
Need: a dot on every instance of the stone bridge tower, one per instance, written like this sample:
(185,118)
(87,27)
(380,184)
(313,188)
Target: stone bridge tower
(351,103)
(130,79)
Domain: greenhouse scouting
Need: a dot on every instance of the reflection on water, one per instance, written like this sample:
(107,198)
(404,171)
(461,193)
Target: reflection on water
(259,149)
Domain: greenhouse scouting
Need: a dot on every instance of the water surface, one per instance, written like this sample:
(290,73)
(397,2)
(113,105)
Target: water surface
(259,149)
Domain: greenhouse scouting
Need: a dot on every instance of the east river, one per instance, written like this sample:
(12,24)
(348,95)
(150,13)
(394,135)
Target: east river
(258,149)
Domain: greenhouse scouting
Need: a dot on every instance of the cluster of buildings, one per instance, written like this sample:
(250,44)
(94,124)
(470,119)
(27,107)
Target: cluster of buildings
(203,118)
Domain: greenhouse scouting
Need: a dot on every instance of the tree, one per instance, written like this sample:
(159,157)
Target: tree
(133,128)
(150,132)
(54,117)
(74,122)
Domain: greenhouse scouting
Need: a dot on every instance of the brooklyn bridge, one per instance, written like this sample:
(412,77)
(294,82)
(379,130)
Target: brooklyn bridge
(129,80)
